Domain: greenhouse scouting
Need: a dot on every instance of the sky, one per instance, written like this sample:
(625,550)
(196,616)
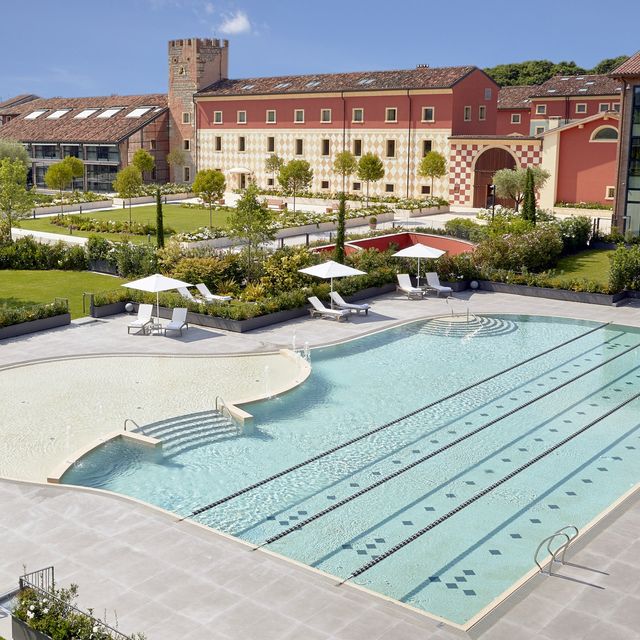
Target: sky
(103,47)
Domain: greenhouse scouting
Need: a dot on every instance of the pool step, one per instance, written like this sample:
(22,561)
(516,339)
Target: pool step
(463,326)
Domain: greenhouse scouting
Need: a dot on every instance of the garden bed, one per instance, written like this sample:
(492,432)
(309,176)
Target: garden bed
(425,211)
(75,207)
(32,326)
(169,197)
(22,631)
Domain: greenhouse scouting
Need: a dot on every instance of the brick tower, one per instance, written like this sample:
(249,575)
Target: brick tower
(194,63)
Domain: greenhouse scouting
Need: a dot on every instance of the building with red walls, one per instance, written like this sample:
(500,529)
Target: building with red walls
(514,111)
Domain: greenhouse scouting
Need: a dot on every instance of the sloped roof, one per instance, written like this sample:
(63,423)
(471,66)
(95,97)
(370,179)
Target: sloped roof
(68,128)
(630,67)
(515,97)
(418,78)
(7,107)
(581,85)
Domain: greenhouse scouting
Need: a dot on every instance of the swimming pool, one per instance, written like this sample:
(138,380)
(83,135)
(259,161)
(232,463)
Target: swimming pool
(467,444)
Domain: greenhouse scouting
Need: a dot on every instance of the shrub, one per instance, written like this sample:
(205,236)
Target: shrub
(625,268)
(212,269)
(133,259)
(82,223)
(16,315)
(465,229)
(584,205)
(575,233)
(98,248)
(460,267)
(28,254)
(281,269)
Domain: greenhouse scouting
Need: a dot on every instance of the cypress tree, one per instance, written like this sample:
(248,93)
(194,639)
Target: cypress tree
(342,212)
(529,201)
(159,221)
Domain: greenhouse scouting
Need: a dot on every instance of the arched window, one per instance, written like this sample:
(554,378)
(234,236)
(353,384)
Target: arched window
(605,134)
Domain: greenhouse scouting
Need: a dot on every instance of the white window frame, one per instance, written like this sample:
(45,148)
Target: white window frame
(488,93)
(322,119)
(424,114)
(353,115)
(241,119)
(296,113)
(386,114)
(516,118)
(217,117)
(539,130)
(482,112)
(615,106)
(592,138)
(186,144)
(266,116)
(606,105)
(467,113)
(582,111)
(541,109)
(186,119)
(186,174)
(609,192)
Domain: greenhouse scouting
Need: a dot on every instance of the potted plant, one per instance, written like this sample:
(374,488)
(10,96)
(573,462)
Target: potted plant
(373,223)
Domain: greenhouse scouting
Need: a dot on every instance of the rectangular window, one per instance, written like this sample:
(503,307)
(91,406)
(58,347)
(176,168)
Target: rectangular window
(298,116)
(539,130)
(271,144)
(356,186)
(218,142)
(488,93)
(541,109)
(325,115)
(357,115)
(391,114)
(425,189)
(581,107)
(324,147)
(186,145)
(357,148)
(426,147)
(516,118)
(152,145)
(271,116)
(242,143)
(388,187)
(324,184)
(428,114)
(391,149)
(270,182)
(217,117)
(187,174)
(610,193)
(242,117)
(186,118)
(603,106)
(467,114)
(615,106)
(482,112)
(299,147)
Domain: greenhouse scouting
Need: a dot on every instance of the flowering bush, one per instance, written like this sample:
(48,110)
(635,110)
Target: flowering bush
(73,197)
(625,268)
(82,223)
(203,233)
(584,205)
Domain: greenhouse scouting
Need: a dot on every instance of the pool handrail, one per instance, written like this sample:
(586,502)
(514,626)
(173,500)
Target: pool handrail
(562,549)
(221,410)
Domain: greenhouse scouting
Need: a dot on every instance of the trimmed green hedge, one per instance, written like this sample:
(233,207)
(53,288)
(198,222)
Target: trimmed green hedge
(17,315)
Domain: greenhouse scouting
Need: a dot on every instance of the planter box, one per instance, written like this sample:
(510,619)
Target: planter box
(107,309)
(425,211)
(81,207)
(32,326)
(170,197)
(553,294)
(456,285)
(22,631)
(371,292)
(103,266)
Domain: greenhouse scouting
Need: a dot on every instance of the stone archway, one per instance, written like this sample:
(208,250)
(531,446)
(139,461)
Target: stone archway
(486,164)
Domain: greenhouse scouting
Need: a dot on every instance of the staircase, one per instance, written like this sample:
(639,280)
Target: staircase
(461,326)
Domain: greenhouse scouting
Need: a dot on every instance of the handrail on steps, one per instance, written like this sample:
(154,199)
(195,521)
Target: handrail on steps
(559,554)
(220,406)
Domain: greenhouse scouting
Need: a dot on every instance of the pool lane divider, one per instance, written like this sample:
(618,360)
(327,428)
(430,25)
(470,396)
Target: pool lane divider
(432,525)
(319,456)
(435,452)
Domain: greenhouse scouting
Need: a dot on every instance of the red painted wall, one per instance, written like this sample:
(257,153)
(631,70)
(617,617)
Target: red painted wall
(470,91)
(504,126)
(567,108)
(586,168)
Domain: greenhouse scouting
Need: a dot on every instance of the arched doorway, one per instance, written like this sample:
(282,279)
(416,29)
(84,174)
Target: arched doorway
(487,164)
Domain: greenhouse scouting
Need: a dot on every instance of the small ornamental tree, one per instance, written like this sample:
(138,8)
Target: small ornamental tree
(370,169)
(59,176)
(127,183)
(510,183)
(529,199)
(159,220)
(345,165)
(209,185)
(176,158)
(342,212)
(15,200)
(75,165)
(144,161)
(433,165)
(295,176)
(273,164)
(14,151)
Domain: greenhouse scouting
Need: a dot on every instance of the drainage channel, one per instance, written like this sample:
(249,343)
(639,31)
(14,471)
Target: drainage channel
(436,452)
(347,443)
(432,525)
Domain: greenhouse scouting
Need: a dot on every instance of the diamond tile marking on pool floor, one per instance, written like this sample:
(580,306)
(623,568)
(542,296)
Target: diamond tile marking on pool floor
(495,552)
(515,536)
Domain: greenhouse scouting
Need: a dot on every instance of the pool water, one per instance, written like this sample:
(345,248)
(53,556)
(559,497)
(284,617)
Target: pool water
(355,513)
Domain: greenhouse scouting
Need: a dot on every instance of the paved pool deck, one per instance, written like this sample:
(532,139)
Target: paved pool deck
(179,580)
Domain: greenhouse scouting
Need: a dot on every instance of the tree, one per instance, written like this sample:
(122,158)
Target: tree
(127,183)
(59,176)
(370,169)
(609,64)
(345,165)
(433,165)
(14,151)
(529,200)
(342,212)
(209,185)
(253,223)
(144,161)
(510,183)
(15,200)
(76,166)
(295,176)
(159,220)
(176,158)
(273,164)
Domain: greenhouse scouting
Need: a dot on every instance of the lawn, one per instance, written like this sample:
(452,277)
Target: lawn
(177,217)
(19,288)
(592,264)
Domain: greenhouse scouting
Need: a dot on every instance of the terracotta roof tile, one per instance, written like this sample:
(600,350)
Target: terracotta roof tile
(630,67)
(582,85)
(418,78)
(68,128)
(8,107)
(515,97)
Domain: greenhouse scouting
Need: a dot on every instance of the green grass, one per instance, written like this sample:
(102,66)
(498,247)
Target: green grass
(177,217)
(20,288)
(592,264)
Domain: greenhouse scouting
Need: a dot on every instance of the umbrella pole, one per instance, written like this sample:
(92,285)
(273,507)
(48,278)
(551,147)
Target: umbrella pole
(157,307)
(418,279)
(330,297)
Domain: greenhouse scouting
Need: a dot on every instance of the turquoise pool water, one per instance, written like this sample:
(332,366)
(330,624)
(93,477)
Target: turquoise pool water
(357,504)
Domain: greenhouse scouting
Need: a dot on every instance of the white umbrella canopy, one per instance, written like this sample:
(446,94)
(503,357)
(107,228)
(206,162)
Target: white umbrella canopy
(330,270)
(419,251)
(155,284)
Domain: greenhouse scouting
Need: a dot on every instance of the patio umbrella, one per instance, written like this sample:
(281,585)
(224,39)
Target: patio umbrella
(155,284)
(330,270)
(419,251)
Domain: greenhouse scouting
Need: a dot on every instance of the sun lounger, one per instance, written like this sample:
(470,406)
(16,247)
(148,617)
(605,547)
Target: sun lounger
(178,321)
(433,282)
(187,295)
(324,312)
(143,320)
(404,285)
(339,301)
(211,297)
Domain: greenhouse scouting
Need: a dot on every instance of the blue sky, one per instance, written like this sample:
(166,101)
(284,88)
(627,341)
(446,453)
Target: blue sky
(86,47)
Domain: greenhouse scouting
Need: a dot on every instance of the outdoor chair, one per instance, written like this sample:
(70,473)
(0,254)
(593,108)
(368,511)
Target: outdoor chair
(433,282)
(178,321)
(404,285)
(143,320)
(211,297)
(339,301)
(187,295)
(324,312)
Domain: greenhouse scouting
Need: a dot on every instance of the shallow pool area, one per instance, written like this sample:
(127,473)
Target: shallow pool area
(442,453)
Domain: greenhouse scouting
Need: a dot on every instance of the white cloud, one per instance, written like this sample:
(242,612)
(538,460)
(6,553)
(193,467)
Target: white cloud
(236,23)
(209,8)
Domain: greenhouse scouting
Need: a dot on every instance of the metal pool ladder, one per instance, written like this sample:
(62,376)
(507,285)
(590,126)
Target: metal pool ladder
(569,533)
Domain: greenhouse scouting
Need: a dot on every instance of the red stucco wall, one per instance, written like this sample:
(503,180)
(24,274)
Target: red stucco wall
(566,108)
(470,91)
(504,126)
